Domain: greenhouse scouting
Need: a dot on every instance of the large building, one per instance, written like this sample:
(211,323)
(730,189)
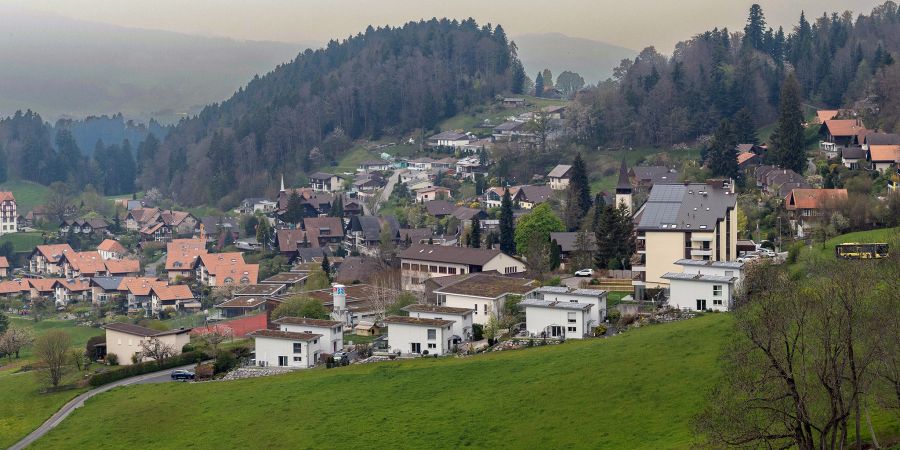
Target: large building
(421,262)
(683,221)
(8,214)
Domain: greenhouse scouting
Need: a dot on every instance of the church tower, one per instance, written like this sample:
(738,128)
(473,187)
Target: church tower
(623,189)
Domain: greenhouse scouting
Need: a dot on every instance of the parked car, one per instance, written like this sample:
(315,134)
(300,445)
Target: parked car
(182,375)
(767,253)
(585,273)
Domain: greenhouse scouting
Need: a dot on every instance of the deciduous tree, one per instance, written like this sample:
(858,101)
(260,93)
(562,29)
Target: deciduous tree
(52,351)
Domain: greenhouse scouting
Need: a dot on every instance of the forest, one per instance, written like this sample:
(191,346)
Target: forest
(656,100)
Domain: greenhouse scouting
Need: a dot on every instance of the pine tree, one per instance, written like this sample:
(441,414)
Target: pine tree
(754,31)
(294,211)
(721,154)
(788,139)
(475,234)
(555,257)
(578,194)
(326,267)
(507,228)
(604,235)
(539,85)
(337,207)
(745,127)
(547,75)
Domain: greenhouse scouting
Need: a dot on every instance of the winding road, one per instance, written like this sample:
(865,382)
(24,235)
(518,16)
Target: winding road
(162,376)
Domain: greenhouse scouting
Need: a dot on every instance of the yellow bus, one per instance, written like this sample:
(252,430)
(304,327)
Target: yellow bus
(855,250)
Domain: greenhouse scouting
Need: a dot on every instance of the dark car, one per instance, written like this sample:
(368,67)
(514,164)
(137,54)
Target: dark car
(183,375)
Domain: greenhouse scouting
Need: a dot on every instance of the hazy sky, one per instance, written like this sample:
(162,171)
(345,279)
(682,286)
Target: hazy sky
(632,23)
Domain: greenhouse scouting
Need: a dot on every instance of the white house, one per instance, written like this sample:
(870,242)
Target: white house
(461,317)
(557,319)
(449,139)
(286,348)
(483,293)
(331,330)
(416,336)
(8,213)
(726,269)
(325,182)
(420,262)
(700,292)
(431,193)
(559,177)
(594,297)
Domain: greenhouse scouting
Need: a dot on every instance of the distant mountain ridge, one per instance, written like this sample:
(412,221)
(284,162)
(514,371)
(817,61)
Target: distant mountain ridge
(593,60)
(67,68)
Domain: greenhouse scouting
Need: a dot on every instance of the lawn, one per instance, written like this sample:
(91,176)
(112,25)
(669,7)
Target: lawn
(27,193)
(636,390)
(22,241)
(79,335)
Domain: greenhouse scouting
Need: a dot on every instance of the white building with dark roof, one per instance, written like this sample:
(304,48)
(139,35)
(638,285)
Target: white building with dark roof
(420,262)
(594,297)
(704,285)
(332,331)
(276,348)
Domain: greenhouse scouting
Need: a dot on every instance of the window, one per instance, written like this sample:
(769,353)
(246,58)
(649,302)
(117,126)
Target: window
(451,270)
(405,266)
(432,269)
(298,347)
(717,290)
(476,309)
(701,304)
(571,329)
(432,345)
(443,269)
(717,302)
(432,334)
(415,347)
(441,299)
(571,317)
(282,361)
(298,359)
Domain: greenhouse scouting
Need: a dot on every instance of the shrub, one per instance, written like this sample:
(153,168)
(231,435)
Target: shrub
(555,281)
(624,321)
(224,362)
(477,331)
(599,330)
(112,359)
(794,252)
(594,282)
(204,371)
(613,315)
(141,368)
(189,347)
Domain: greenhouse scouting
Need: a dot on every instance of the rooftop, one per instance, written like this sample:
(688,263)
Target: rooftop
(535,303)
(138,330)
(258,289)
(697,277)
(699,263)
(437,309)
(242,302)
(289,335)
(489,286)
(286,278)
(417,321)
(306,321)
(559,171)
(692,207)
(454,255)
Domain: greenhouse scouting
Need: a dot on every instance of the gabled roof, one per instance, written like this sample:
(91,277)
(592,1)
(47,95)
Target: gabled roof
(466,213)
(536,194)
(289,240)
(323,227)
(122,266)
(214,260)
(568,241)
(109,245)
(43,284)
(559,171)
(439,208)
(843,127)
(7,196)
(322,176)
(882,139)
(107,283)
(14,286)
(358,269)
(853,153)
(812,198)
(884,153)
(173,292)
(140,286)
(239,273)
(174,218)
(449,136)
(289,335)
(86,262)
(53,252)
(654,174)
(824,115)
(371,226)
(73,284)
(745,156)
(453,255)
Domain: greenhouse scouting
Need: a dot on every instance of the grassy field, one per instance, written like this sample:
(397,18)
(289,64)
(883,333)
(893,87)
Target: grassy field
(827,251)
(27,193)
(79,335)
(495,115)
(603,167)
(636,390)
(23,242)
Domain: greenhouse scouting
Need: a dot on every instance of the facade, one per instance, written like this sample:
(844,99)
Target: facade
(110,249)
(420,262)
(483,293)
(124,341)
(683,221)
(461,317)
(807,206)
(276,348)
(8,213)
(325,182)
(884,157)
(559,177)
(432,193)
(449,139)
(594,297)
(415,336)
(700,292)
(557,319)
(46,259)
(623,190)
(331,331)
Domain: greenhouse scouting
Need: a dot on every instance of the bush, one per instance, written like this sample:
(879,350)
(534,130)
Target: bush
(112,360)
(594,282)
(613,315)
(624,321)
(794,252)
(189,347)
(599,330)
(141,368)
(204,371)
(555,281)
(477,331)
(224,362)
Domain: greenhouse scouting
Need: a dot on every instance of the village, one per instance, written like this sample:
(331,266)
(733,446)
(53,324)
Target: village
(437,255)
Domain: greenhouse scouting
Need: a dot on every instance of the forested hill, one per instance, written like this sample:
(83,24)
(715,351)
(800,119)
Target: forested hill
(840,60)
(304,114)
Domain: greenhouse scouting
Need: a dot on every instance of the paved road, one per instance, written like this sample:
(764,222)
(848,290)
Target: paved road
(386,192)
(162,376)
(150,269)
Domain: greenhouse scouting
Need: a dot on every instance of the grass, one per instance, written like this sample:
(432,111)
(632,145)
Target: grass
(79,335)
(612,392)
(880,235)
(27,193)
(613,298)
(22,241)
(494,114)
(603,167)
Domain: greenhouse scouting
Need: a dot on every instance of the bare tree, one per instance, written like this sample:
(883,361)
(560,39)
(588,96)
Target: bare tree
(384,290)
(14,339)
(52,350)
(216,336)
(156,350)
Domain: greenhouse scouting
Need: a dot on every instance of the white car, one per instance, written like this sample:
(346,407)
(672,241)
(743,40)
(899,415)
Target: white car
(585,273)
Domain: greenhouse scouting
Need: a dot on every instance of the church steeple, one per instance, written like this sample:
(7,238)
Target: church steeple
(282,183)
(623,188)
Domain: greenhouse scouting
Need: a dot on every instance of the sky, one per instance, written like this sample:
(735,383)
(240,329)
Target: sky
(633,24)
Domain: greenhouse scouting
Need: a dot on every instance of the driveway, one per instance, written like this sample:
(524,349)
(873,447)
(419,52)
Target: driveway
(163,376)
(150,269)
(386,192)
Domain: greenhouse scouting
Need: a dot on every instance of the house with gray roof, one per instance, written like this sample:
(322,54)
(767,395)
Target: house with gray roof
(683,221)
(557,319)
(704,285)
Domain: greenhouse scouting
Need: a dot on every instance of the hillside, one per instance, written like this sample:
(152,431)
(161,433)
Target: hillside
(637,390)
(305,114)
(593,60)
(88,68)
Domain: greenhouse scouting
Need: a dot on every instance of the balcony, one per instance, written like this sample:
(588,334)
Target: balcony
(638,276)
(701,252)
(706,237)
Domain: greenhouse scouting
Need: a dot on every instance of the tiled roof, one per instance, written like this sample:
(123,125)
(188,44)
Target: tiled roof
(86,262)
(181,254)
(843,127)
(439,207)
(140,286)
(109,245)
(568,240)
(122,266)
(213,261)
(237,273)
(54,251)
(289,240)
(173,292)
(13,287)
(74,284)
(812,198)
(7,196)
(325,227)
(884,153)
(824,115)
(455,255)
(882,139)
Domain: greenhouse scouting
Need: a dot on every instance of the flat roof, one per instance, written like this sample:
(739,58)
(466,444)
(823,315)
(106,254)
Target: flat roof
(697,262)
(403,320)
(290,335)
(258,289)
(286,278)
(697,277)
(437,309)
(555,304)
(307,322)
(569,291)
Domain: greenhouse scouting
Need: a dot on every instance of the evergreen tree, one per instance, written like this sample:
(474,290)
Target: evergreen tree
(745,127)
(721,153)
(326,267)
(507,228)
(475,234)
(337,207)
(604,234)
(754,31)
(70,157)
(4,322)
(146,153)
(539,85)
(555,257)
(4,165)
(578,194)
(548,78)
(294,212)
(518,78)
(788,140)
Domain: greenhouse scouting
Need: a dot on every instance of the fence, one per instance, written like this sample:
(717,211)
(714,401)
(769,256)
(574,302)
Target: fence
(617,274)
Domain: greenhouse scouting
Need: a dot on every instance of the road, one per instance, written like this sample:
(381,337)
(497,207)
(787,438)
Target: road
(162,376)
(386,192)
(150,269)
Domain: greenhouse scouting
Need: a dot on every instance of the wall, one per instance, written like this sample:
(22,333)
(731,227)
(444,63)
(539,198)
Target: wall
(123,345)
(400,336)
(268,350)
(477,304)
(537,319)
(504,264)
(663,249)
(332,339)
(684,294)
(462,324)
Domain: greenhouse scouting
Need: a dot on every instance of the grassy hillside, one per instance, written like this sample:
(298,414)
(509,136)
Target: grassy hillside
(495,114)
(27,193)
(23,242)
(881,235)
(636,390)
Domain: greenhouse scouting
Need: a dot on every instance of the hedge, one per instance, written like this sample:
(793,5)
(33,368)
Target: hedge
(145,367)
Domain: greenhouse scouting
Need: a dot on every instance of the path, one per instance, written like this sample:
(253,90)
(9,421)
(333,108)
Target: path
(150,268)
(386,192)
(155,377)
